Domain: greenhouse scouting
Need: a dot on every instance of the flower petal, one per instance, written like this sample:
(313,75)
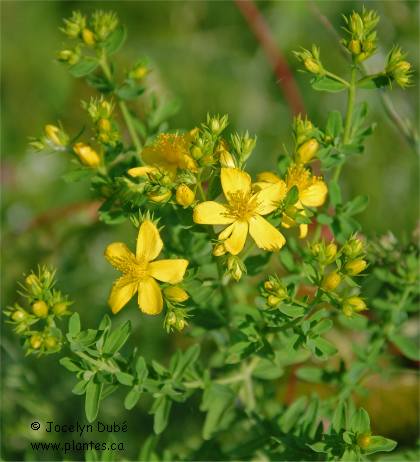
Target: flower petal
(269,198)
(171,271)
(265,235)
(119,255)
(122,291)
(226,232)
(212,213)
(303,230)
(236,241)
(268,177)
(150,297)
(142,171)
(314,195)
(149,243)
(234,180)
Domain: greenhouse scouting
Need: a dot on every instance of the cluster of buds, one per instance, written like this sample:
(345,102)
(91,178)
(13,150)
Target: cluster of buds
(176,315)
(205,141)
(90,31)
(100,111)
(306,145)
(235,267)
(311,60)
(348,262)
(361,28)
(398,69)
(54,139)
(36,324)
(242,146)
(274,291)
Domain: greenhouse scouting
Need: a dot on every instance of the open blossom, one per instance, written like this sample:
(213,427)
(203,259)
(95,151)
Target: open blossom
(312,190)
(243,212)
(168,152)
(141,272)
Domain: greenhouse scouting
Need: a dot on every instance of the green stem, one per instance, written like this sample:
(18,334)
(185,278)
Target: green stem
(336,77)
(123,107)
(349,115)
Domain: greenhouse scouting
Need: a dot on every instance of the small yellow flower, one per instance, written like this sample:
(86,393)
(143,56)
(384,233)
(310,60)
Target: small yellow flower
(243,212)
(87,155)
(142,171)
(353,304)
(160,196)
(36,341)
(170,152)
(40,309)
(331,281)
(88,37)
(140,271)
(312,190)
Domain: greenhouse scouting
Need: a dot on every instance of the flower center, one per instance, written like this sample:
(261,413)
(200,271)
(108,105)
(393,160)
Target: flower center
(241,205)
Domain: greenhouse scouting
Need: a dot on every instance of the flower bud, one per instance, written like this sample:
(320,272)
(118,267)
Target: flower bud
(180,324)
(196,152)
(51,342)
(40,309)
(235,267)
(403,66)
(55,135)
(184,195)
(331,281)
(160,197)
(60,308)
(272,300)
(352,304)
(355,267)
(68,56)
(19,315)
(353,248)
(36,341)
(104,125)
(268,285)
(308,150)
(219,250)
(226,159)
(170,319)
(139,72)
(354,47)
(31,280)
(87,156)
(176,294)
(363,440)
(312,66)
(330,252)
(88,37)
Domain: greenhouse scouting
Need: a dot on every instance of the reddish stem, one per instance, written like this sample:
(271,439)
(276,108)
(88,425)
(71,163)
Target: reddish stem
(262,32)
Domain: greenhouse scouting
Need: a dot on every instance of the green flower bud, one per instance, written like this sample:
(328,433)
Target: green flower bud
(355,267)
(36,341)
(40,309)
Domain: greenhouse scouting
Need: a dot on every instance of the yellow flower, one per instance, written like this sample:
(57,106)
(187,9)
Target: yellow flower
(243,212)
(140,271)
(170,152)
(184,195)
(87,155)
(312,190)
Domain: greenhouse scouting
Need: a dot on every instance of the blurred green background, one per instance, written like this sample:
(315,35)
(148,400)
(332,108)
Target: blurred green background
(203,54)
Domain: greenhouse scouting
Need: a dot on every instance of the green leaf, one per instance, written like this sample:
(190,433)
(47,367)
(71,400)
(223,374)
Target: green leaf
(216,401)
(93,396)
(360,422)
(69,364)
(334,124)
(322,327)
(74,324)
(129,90)
(408,347)
(76,175)
(356,206)
(161,410)
(292,196)
(141,370)
(256,263)
(324,219)
(116,40)
(132,398)
(292,414)
(267,370)
(335,193)
(187,359)
(373,82)
(80,387)
(339,418)
(310,374)
(117,339)
(321,348)
(83,67)
(327,84)
(380,444)
(124,378)
(292,311)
